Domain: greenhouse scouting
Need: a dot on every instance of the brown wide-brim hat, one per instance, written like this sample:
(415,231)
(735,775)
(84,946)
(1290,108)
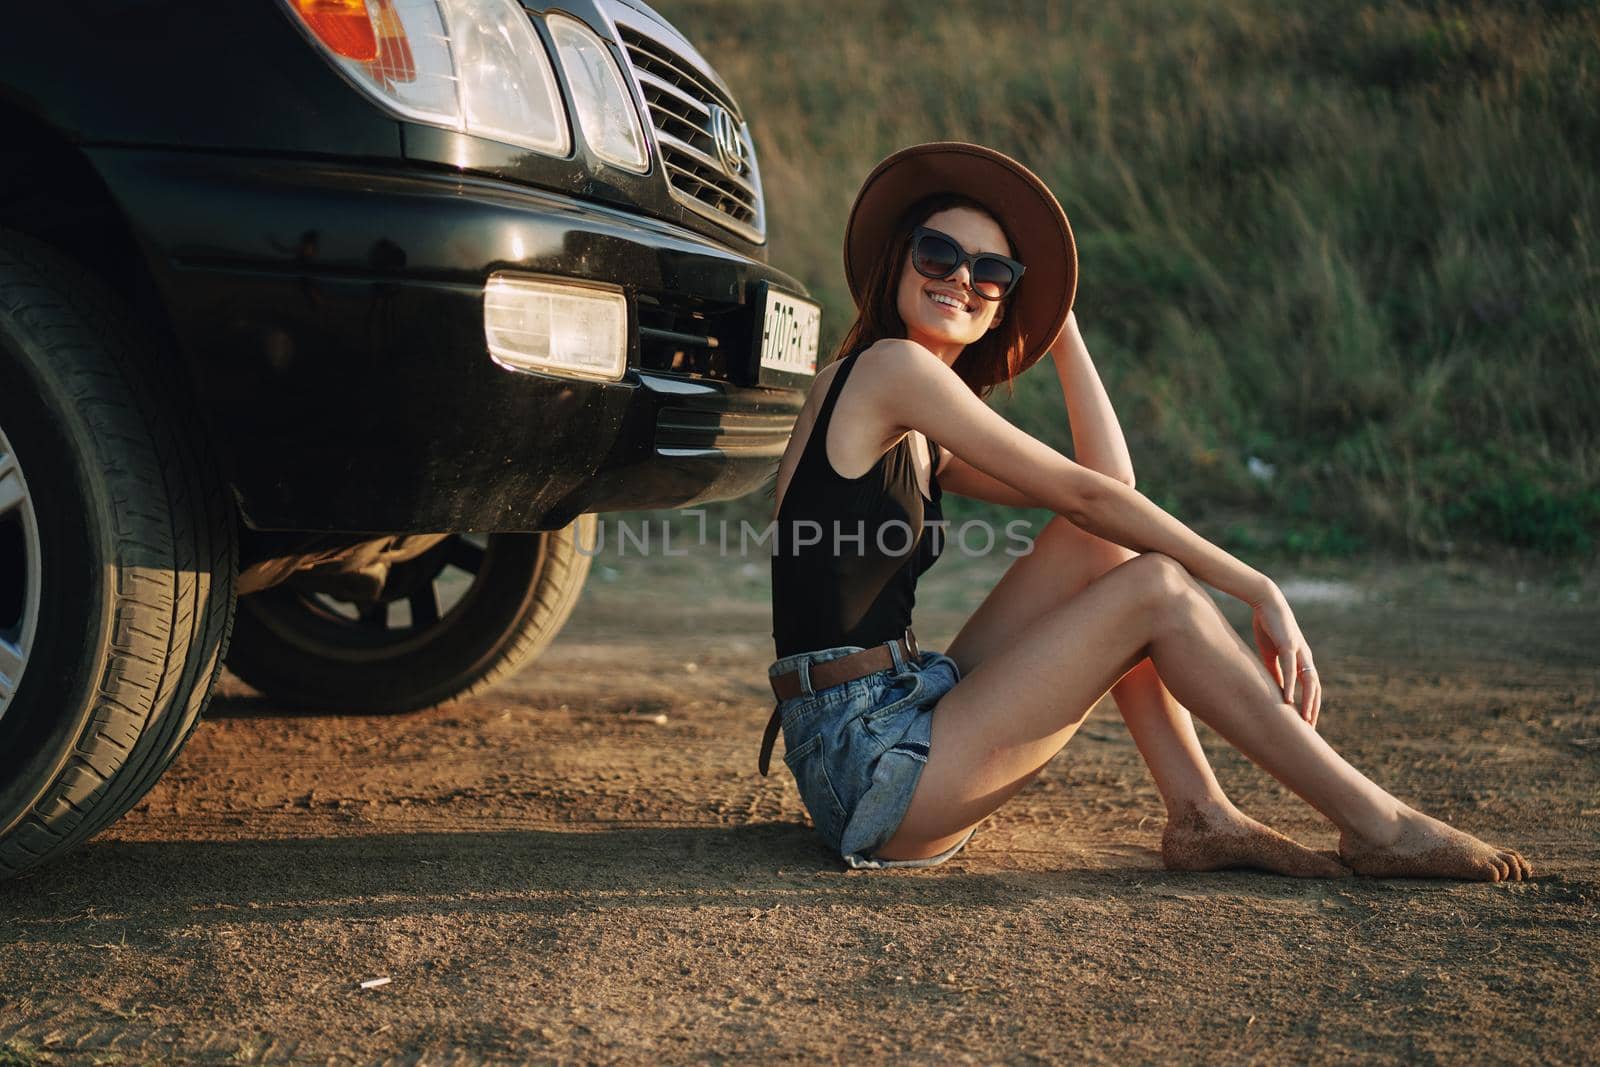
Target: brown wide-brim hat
(1012,193)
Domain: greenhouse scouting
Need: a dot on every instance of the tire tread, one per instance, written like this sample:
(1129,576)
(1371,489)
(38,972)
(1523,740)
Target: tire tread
(172,543)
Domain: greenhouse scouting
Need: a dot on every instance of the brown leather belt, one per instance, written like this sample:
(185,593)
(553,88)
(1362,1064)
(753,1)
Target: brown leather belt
(829,673)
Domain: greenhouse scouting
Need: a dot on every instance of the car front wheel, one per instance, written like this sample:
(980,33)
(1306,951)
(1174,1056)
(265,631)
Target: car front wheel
(117,557)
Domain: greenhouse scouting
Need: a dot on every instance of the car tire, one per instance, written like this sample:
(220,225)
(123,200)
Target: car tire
(313,650)
(117,557)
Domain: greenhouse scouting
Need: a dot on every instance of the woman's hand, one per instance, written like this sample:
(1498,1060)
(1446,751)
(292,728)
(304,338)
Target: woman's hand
(1287,656)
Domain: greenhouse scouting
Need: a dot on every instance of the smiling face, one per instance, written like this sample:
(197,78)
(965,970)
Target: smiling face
(944,314)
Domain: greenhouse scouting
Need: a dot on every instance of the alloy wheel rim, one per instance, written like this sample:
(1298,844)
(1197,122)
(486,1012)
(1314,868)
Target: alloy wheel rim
(21,573)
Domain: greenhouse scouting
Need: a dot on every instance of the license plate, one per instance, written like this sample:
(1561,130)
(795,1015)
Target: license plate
(789,330)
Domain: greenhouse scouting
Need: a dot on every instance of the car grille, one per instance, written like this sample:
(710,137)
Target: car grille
(684,105)
(694,338)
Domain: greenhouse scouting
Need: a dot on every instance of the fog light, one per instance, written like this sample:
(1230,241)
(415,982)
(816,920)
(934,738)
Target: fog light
(560,328)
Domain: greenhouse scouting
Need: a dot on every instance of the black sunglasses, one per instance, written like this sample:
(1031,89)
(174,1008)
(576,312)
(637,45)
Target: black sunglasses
(937,255)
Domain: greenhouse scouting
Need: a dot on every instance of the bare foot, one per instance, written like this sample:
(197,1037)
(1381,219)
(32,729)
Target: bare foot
(1423,847)
(1213,839)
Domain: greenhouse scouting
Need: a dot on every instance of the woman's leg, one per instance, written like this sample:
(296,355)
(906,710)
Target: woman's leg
(1204,830)
(999,725)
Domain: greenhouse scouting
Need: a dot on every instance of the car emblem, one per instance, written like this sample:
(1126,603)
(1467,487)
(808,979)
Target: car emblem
(730,146)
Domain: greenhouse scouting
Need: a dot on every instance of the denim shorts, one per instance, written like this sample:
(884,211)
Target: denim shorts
(857,749)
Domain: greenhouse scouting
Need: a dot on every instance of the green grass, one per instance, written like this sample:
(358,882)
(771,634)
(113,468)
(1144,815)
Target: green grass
(18,1054)
(1353,240)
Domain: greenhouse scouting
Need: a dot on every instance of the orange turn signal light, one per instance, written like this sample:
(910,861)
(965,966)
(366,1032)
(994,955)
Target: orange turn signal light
(344,26)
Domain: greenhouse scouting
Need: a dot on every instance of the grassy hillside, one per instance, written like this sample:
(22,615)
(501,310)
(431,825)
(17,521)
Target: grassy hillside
(1355,241)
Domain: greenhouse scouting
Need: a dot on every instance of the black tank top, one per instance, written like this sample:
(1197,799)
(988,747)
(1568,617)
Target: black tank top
(830,587)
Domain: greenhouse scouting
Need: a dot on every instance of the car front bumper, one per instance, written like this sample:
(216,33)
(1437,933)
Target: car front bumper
(331,318)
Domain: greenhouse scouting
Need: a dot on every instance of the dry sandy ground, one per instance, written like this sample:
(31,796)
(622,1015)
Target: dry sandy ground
(558,873)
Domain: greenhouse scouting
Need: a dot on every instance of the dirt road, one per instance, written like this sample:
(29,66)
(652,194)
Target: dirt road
(585,866)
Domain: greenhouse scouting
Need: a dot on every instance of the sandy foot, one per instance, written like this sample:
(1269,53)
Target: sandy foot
(1424,847)
(1214,840)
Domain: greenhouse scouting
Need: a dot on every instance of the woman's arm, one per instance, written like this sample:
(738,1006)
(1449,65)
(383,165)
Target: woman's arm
(1096,435)
(914,390)
(958,476)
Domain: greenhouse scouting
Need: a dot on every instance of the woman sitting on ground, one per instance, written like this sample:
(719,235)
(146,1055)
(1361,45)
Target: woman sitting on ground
(964,268)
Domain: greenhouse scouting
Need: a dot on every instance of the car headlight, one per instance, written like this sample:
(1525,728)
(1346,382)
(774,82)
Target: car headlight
(605,109)
(476,66)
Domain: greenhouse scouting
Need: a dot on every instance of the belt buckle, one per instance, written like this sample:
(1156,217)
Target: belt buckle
(911,643)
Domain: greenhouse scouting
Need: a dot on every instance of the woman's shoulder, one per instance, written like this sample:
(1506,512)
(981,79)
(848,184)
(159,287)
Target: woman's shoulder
(898,364)
(898,348)
(879,371)
(895,360)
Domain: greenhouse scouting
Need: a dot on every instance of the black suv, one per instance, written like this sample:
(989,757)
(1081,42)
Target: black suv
(329,324)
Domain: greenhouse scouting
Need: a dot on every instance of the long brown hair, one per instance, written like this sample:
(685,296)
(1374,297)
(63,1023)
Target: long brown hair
(994,358)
